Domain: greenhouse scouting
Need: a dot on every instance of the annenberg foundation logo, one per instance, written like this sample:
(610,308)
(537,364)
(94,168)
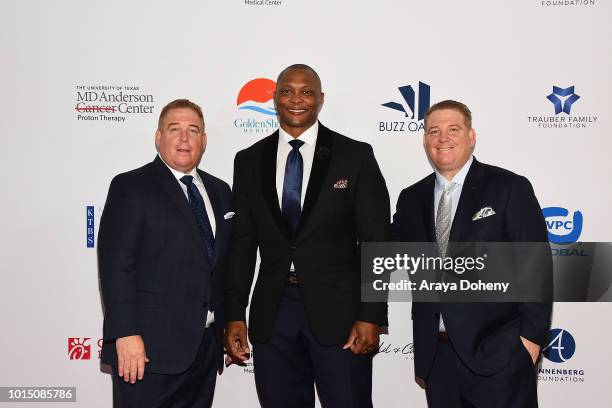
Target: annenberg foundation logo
(560,349)
(256,107)
(111,103)
(413,111)
(79,348)
(563,102)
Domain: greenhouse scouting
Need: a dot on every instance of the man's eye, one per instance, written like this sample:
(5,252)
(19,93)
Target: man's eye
(307,92)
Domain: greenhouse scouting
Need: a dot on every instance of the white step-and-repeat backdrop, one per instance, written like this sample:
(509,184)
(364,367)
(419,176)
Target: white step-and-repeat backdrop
(82,84)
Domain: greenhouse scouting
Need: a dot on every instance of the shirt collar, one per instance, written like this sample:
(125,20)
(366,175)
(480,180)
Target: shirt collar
(309,136)
(459,178)
(177,174)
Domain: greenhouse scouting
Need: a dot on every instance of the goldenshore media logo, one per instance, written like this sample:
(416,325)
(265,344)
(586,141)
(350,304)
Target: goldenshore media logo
(563,103)
(111,103)
(560,349)
(412,107)
(256,107)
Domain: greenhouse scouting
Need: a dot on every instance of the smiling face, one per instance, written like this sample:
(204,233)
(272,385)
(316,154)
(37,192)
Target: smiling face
(448,141)
(298,100)
(181,140)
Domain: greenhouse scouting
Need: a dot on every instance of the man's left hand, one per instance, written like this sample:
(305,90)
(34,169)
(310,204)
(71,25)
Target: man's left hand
(363,338)
(532,348)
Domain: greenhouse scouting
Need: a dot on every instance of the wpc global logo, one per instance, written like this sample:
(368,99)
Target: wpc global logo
(256,113)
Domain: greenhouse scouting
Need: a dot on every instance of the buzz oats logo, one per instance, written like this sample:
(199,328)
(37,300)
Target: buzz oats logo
(563,111)
(111,103)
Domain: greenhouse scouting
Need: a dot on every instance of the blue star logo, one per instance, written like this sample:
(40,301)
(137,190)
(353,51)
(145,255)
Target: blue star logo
(563,106)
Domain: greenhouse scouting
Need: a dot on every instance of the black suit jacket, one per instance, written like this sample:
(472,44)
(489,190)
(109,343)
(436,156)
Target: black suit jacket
(485,335)
(325,248)
(155,276)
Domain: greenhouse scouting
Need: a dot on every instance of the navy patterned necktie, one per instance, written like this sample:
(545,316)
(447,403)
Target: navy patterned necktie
(292,185)
(199,211)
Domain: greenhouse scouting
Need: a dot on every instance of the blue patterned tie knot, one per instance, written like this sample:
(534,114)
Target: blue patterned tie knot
(199,212)
(296,144)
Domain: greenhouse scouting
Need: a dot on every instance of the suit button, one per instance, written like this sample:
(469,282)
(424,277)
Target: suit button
(204,304)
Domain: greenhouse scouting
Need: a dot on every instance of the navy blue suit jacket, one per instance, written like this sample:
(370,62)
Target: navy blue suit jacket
(155,277)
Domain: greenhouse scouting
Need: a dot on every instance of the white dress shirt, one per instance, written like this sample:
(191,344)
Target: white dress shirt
(441,181)
(307,150)
(210,318)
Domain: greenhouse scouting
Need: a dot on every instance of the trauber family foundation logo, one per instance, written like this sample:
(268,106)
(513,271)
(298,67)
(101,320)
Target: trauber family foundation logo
(563,101)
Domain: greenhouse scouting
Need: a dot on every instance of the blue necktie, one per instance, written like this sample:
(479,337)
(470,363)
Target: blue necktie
(200,214)
(292,185)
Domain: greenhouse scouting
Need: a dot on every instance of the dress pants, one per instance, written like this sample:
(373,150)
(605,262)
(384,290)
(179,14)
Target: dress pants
(192,388)
(453,385)
(290,364)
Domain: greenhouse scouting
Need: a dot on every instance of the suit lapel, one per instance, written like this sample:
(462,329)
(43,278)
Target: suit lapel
(467,201)
(320,165)
(268,183)
(177,196)
(214,195)
(428,207)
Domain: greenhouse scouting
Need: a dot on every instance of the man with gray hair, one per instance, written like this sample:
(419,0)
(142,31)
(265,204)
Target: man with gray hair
(161,255)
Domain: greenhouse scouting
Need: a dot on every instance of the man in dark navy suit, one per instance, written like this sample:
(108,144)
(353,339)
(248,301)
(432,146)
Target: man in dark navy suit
(472,354)
(306,196)
(161,254)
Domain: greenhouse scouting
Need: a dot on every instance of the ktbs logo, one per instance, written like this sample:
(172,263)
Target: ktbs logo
(562,229)
(79,348)
(561,346)
(413,107)
(91,221)
(256,107)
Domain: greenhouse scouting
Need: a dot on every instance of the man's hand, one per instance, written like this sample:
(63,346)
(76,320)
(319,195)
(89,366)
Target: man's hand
(532,348)
(131,358)
(421,382)
(363,338)
(236,342)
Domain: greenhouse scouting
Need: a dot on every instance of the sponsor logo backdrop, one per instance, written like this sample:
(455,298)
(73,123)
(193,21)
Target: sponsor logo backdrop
(83,83)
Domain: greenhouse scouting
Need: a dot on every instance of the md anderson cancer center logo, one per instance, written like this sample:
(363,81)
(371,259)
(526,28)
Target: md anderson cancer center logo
(256,113)
(111,103)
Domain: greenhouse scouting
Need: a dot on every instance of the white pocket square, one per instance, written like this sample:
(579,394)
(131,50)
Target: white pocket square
(229,215)
(483,213)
